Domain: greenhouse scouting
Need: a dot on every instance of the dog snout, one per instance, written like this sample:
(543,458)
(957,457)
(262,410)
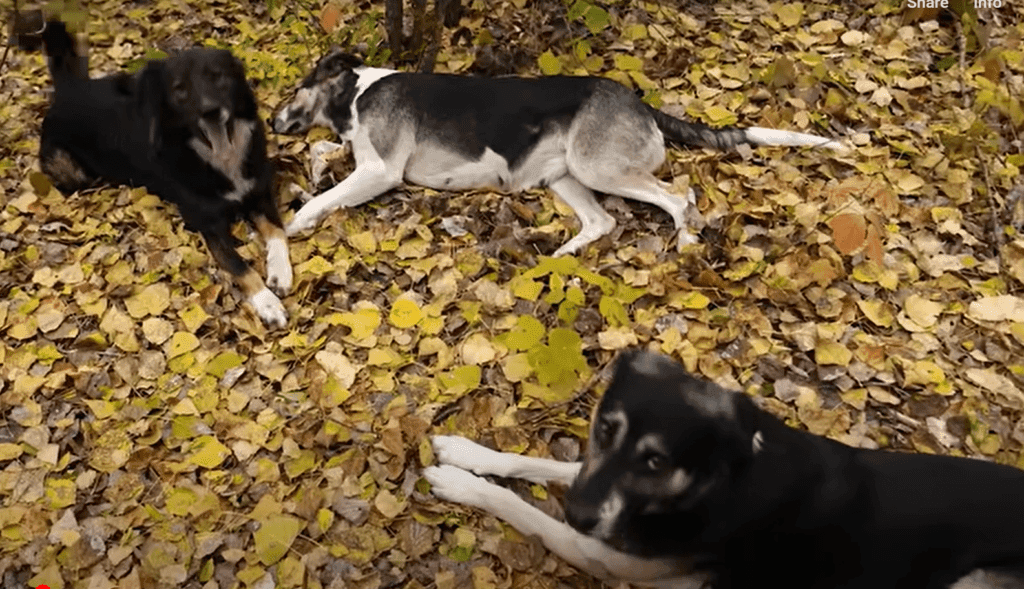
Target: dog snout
(582,517)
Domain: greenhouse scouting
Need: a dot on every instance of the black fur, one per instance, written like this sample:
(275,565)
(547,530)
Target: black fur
(136,129)
(802,511)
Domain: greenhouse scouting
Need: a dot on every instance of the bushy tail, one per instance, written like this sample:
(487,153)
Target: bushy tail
(701,135)
(62,53)
(66,59)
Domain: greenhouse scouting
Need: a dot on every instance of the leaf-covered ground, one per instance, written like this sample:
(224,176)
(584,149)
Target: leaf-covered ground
(154,434)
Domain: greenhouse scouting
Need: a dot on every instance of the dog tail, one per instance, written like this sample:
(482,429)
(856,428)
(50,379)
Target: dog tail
(701,135)
(62,53)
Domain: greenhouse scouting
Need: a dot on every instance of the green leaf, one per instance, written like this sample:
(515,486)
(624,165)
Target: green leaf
(596,19)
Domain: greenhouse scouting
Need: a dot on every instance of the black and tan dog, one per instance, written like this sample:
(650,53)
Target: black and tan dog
(186,128)
(687,485)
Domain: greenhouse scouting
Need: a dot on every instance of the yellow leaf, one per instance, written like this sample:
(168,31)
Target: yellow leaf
(922,311)
(364,242)
(999,385)
(719,116)
(405,313)
(193,316)
(517,367)
(10,451)
(998,308)
(388,505)
(924,372)
(832,353)
(878,312)
(151,300)
(628,62)
(477,349)
(549,64)
(181,343)
(275,537)
(789,14)
(317,266)
(157,330)
(209,453)
(617,338)
(335,362)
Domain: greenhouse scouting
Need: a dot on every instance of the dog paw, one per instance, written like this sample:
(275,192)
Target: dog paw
(684,239)
(279,267)
(269,308)
(301,193)
(299,224)
(453,484)
(467,455)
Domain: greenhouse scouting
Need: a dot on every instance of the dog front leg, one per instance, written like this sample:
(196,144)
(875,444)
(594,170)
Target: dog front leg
(265,302)
(367,182)
(469,455)
(583,552)
(279,266)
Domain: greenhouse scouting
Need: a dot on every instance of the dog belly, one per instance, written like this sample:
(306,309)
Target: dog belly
(440,169)
(543,165)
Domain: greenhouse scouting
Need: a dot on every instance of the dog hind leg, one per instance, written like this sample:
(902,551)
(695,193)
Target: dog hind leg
(644,187)
(468,455)
(594,220)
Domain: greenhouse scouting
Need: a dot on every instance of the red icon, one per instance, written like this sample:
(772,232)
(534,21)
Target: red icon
(43,587)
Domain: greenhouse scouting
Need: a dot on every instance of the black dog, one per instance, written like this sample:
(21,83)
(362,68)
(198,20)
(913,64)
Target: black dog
(686,484)
(186,128)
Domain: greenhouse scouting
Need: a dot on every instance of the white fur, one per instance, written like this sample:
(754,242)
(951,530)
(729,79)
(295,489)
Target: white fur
(469,455)
(607,515)
(279,267)
(269,308)
(589,554)
(763,136)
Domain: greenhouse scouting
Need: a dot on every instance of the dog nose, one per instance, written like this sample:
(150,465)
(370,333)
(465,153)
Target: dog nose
(583,518)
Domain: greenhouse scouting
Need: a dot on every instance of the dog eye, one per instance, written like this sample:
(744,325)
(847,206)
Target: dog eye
(605,432)
(656,462)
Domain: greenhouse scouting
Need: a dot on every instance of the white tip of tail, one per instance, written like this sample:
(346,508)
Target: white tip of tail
(762,136)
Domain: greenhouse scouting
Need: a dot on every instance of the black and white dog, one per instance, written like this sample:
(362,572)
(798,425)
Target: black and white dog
(687,485)
(186,128)
(576,135)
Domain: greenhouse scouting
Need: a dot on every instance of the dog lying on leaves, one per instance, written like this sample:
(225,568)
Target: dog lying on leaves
(185,128)
(687,485)
(575,135)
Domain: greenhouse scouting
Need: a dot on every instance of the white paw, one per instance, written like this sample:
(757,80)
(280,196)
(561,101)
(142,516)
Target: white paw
(301,192)
(467,455)
(684,239)
(456,485)
(279,267)
(300,223)
(269,308)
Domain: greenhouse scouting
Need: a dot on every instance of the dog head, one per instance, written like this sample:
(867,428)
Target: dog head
(661,443)
(204,90)
(307,107)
